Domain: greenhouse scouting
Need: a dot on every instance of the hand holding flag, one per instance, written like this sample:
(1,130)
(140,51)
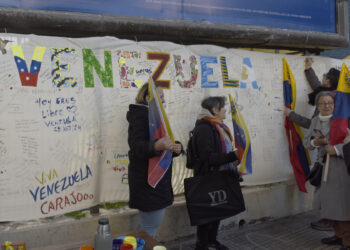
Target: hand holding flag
(242,139)
(298,155)
(341,113)
(159,129)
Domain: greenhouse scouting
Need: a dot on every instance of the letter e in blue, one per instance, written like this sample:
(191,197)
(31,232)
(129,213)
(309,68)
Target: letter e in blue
(206,71)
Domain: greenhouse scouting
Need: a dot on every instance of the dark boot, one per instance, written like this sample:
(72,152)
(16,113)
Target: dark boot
(322,225)
(217,245)
(334,240)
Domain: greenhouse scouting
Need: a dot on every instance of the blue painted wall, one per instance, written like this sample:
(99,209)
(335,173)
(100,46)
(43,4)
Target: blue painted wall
(309,15)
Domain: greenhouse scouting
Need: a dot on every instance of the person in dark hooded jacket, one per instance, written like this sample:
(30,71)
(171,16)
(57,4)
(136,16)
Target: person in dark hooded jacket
(151,202)
(329,83)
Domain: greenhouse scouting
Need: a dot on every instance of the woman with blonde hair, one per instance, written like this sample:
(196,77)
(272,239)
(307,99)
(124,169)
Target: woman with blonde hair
(151,202)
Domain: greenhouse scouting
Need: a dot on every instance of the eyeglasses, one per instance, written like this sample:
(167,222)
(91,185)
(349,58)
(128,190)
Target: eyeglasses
(326,103)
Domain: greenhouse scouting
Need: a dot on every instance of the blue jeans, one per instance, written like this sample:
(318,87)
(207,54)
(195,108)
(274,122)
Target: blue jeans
(150,221)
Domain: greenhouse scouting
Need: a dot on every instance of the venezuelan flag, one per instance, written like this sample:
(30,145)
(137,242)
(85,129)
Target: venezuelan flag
(298,155)
(341,112)
(158,127)
(242,139)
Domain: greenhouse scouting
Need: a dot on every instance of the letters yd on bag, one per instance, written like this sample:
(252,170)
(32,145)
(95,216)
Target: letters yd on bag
(213,197)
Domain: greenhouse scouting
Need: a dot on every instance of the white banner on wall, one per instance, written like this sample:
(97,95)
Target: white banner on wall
(63,104)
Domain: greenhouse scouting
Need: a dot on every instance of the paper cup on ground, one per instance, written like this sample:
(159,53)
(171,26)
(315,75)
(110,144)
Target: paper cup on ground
(159,248)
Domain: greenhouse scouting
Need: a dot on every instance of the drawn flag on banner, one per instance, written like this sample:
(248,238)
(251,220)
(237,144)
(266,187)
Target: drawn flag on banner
(341,112)
(242,139)
(248,74)
(298,155)
(158,127)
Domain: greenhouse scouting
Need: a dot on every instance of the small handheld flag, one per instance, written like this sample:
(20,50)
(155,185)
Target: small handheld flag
(158,127)
(298,155)
(341,113)
(242,138)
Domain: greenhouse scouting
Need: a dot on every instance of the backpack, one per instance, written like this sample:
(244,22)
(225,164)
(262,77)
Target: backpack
(192,159)
(191,155)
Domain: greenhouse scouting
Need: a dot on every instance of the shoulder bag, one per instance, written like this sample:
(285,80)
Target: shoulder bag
(315,174)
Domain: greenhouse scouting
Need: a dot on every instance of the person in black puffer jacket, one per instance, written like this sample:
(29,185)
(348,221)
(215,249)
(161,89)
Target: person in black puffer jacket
(329,83)
(213,143)
(150,201)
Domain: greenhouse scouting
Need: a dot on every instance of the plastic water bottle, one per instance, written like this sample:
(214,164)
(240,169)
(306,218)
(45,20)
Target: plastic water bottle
(103,238)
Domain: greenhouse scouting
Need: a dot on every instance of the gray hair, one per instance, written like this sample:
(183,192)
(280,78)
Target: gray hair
(324,93)
(212,102)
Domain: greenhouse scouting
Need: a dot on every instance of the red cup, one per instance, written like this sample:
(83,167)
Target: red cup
(126,247)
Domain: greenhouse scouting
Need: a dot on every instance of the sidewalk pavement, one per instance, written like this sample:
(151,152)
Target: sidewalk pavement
(289,233)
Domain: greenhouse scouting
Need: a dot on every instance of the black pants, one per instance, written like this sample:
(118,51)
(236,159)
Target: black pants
(207,232)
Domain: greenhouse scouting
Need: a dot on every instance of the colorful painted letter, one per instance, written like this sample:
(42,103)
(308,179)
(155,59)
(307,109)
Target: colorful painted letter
(128,74)
(206,71)
(57,68)
(180,77)
(228,83)
(28,78)
(164,60)
(90,62)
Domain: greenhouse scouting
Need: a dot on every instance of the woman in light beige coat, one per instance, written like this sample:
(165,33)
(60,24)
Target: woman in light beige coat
(331,197)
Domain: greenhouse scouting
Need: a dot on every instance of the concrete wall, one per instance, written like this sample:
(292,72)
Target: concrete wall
(262,202)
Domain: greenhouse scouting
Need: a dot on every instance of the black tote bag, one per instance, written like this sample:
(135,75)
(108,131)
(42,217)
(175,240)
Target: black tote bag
(213,197)
(315,174)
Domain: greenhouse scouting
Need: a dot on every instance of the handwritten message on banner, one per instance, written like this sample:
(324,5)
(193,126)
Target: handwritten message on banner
(63,104)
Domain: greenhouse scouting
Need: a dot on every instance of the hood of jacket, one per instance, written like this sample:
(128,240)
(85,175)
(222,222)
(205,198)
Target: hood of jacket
(204,113)
(136,111)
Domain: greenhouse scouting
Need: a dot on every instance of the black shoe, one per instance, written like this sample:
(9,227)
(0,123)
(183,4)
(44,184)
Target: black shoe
(217,245)
(334,240)
(322,225)
(345,248)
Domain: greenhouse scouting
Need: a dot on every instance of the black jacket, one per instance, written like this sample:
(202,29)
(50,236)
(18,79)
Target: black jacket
(316,86)
(208,148)
(141,195)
